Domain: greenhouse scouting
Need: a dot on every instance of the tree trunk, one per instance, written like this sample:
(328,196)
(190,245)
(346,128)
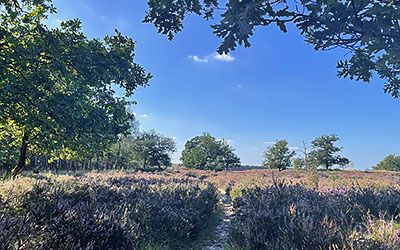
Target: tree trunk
(22,155)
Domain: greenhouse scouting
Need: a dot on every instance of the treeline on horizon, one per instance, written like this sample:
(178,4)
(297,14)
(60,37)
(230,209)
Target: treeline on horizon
(151,151)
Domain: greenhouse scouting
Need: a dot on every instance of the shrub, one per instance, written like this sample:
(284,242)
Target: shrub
(293,217)
(124,213)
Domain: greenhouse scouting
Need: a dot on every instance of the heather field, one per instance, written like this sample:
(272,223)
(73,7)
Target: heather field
(195,209)
(109,211)
(264,177)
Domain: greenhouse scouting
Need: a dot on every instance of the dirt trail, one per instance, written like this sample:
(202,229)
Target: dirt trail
(221,231)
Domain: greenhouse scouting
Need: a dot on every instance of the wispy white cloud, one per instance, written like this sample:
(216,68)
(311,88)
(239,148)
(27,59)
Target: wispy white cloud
(142,115)
(239,86)
(53,22)
(224,57)
(212,57)
(199,59)
(145,115)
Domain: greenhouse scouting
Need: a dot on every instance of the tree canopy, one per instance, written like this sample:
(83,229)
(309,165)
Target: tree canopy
(278,156)
(390,162)
(152,149)
(368,29)
(56,85)
(207,152)
(324,152)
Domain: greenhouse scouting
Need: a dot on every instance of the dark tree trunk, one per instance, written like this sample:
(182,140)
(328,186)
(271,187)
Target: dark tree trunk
(22,155)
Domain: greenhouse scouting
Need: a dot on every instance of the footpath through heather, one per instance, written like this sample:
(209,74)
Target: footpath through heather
(222,229)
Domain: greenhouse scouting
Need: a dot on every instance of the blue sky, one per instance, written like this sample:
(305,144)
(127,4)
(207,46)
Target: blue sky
(279,88)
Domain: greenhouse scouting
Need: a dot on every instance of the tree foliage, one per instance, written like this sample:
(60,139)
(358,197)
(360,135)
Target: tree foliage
(121,153)
(206,152)
(56,85)
(390,162)
(152,149)
(368,29)
(278,156)
(324,152)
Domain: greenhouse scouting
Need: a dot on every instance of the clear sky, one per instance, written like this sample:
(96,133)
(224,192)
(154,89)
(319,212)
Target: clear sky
(279,88)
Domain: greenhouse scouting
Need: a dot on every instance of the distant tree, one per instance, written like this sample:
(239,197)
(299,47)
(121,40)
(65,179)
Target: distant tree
(153,149)
(121,154)
(56,85)
(390,162)
(206,152)
(368,30)
(306,161)
(278,156)
(324,151)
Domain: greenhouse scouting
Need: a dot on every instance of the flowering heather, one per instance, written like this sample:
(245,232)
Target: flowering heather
(379,233)
(293,217)
(338,191)
(104,213)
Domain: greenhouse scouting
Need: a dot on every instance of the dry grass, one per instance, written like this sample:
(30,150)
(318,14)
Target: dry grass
(239,179)
(261,177)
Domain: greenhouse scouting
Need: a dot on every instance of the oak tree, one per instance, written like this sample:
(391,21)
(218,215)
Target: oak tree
(207,152)
(57,86)
(152,149)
